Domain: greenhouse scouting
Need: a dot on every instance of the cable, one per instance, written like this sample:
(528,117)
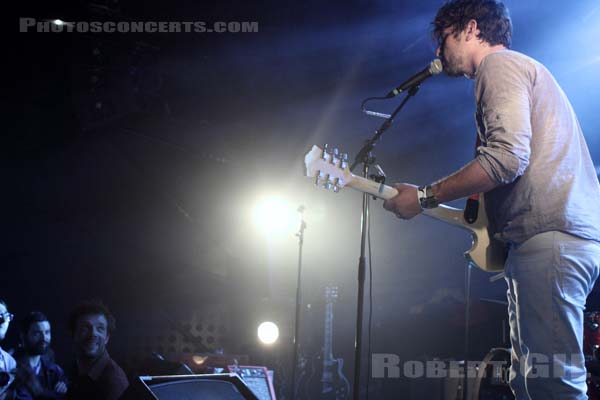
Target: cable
(365,101)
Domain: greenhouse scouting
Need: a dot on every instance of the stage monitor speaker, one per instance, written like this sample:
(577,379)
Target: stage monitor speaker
(195,387)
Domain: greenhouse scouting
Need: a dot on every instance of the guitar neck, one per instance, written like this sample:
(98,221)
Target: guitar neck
(444,213)
(376,189)
(332,172)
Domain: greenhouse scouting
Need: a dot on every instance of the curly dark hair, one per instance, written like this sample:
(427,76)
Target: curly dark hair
(493,20)
(91,307)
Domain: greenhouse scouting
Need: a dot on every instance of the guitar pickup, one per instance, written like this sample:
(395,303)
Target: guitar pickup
(471,210)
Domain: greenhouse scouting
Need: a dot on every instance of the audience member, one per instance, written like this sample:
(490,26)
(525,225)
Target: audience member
(97,376)
(37,376)
(8,364)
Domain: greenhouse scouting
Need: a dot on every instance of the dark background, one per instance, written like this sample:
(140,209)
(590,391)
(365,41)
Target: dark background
(133,163)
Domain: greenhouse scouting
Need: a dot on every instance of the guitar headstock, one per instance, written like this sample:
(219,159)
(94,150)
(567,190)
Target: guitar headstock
(331,293)
(329,167)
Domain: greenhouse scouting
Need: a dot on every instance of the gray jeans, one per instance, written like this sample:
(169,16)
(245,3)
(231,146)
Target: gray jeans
(549,278)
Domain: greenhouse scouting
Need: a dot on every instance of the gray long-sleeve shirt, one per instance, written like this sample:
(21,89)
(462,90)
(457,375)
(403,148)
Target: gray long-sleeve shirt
(533,146)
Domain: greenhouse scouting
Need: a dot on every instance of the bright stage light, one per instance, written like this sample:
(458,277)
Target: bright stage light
(274,216)
(268,332)
(58,22)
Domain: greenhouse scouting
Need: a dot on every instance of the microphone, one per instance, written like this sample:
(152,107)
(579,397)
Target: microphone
(434,68)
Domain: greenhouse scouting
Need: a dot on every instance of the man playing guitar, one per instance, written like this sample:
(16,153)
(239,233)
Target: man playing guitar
(541,194)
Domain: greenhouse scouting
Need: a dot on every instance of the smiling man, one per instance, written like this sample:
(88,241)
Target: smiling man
(541,195)
(98,377)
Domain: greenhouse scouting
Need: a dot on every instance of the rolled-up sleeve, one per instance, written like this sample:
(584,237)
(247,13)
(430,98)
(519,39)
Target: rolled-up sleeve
(503,92)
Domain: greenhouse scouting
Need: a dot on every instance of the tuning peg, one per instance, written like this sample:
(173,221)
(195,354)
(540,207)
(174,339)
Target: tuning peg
(320,177)
(325,155)
(328,182)
(336,185)
(344,157)
(332,183)
(336,151)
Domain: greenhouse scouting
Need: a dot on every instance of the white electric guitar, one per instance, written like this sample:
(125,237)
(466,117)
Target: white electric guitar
(331,171)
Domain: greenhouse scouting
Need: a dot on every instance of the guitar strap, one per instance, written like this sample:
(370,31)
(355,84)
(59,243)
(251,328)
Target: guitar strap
(472,207)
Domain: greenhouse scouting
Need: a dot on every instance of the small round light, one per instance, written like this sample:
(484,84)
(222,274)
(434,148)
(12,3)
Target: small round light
(268,332)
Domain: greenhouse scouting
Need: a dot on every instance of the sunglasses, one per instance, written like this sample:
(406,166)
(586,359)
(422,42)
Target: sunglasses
(6,317)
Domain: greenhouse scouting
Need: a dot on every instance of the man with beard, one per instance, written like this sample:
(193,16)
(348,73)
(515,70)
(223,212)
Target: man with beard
(7,362)
(541,195)
(38,377)
(97,376)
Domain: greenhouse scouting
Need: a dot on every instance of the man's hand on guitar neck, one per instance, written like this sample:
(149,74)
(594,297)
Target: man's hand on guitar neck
(406,203)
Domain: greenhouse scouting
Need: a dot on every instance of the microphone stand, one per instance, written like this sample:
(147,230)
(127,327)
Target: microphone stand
(366,157)
(300,235)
